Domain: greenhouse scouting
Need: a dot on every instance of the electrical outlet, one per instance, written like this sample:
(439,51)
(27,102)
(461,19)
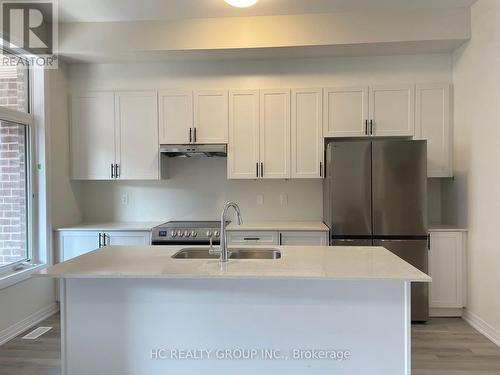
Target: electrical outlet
(260,199)
(124,199)
(284,200)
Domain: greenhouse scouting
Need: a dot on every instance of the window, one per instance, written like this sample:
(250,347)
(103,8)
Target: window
(15,167)
(14,88)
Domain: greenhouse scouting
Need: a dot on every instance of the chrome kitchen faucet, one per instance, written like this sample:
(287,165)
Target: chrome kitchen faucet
(224,256)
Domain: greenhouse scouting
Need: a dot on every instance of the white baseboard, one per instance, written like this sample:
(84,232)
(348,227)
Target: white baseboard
(21,326)
(445,313)
(484,328)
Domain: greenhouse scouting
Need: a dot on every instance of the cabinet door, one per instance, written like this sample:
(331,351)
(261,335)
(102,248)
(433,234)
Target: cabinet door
(92,135)
(137,135)
(446,267)
(118,238)
(307,133)
(75,243)
(275,133)
(235,238)
(211,116)
(176,116)
(433,123)
(304,238)
(392,110)
(243,147)
(345,111)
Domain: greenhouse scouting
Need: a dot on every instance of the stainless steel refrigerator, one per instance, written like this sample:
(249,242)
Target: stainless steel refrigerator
(375,194)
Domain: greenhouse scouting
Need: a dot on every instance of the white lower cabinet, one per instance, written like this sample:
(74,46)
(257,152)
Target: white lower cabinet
(276,238)
(447,268)
(119,238)
(236,238)
(73,243)
(304,238)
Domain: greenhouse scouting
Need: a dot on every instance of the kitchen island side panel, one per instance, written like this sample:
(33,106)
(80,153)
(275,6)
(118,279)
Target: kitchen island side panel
(115,326)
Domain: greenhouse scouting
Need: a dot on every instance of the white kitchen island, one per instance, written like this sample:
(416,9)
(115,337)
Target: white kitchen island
(316,310)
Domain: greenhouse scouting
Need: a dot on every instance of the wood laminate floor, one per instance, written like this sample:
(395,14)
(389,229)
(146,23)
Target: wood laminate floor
(441,347)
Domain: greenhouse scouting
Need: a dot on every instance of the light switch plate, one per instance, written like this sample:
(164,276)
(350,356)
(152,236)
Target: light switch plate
(124,199)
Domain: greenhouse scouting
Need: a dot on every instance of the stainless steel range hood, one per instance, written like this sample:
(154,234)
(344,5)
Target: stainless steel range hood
(187,151)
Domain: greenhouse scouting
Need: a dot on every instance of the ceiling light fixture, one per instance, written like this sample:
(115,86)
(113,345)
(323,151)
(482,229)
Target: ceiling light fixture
(241,3)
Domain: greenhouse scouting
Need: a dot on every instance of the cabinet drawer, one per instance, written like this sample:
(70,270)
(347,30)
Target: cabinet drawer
(252,238)
(304,238)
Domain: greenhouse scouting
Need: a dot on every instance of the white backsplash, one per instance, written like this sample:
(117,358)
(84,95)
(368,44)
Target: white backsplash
(197,190)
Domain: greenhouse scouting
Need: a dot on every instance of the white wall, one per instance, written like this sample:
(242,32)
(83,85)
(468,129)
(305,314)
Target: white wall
(23,300)
(64,192)
(343,32)
(197,189)
(474,201)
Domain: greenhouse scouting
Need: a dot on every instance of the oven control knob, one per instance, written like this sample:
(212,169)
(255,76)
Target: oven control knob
(173,233)
(209,234)
(187,233)
(193,233)
(180,233)
(216,233)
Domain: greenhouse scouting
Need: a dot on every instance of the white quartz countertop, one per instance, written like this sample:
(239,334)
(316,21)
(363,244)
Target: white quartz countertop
(279,226)
(297,262)
(110,226)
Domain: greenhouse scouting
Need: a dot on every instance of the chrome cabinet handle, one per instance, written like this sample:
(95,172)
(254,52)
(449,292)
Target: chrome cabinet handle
(251,239)
(100,240)
(371,127)
(366,127)
(112,170)
(257,169)
(190,135)
(262,170)
(195,135)
(117,170)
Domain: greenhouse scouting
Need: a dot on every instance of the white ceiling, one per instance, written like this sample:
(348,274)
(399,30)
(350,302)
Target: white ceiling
(132,10)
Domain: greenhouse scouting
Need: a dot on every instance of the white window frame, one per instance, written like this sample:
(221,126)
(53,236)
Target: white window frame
(38,224)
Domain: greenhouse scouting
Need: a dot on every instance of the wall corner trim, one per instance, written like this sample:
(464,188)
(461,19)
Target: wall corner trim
(28,322)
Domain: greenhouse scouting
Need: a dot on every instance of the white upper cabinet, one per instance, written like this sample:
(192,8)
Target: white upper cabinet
(176,116)
(199,117)
(345,111)
(392,110)
(433,123)
(92,135)
(307,133)
(210,116)
(115,135)
(136,130)
(243,148)
(275,133)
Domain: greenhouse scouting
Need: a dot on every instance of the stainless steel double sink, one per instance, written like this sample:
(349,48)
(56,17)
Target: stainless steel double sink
(235,253)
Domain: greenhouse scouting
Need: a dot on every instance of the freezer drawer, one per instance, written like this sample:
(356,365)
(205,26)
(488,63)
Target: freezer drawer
(416,253)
